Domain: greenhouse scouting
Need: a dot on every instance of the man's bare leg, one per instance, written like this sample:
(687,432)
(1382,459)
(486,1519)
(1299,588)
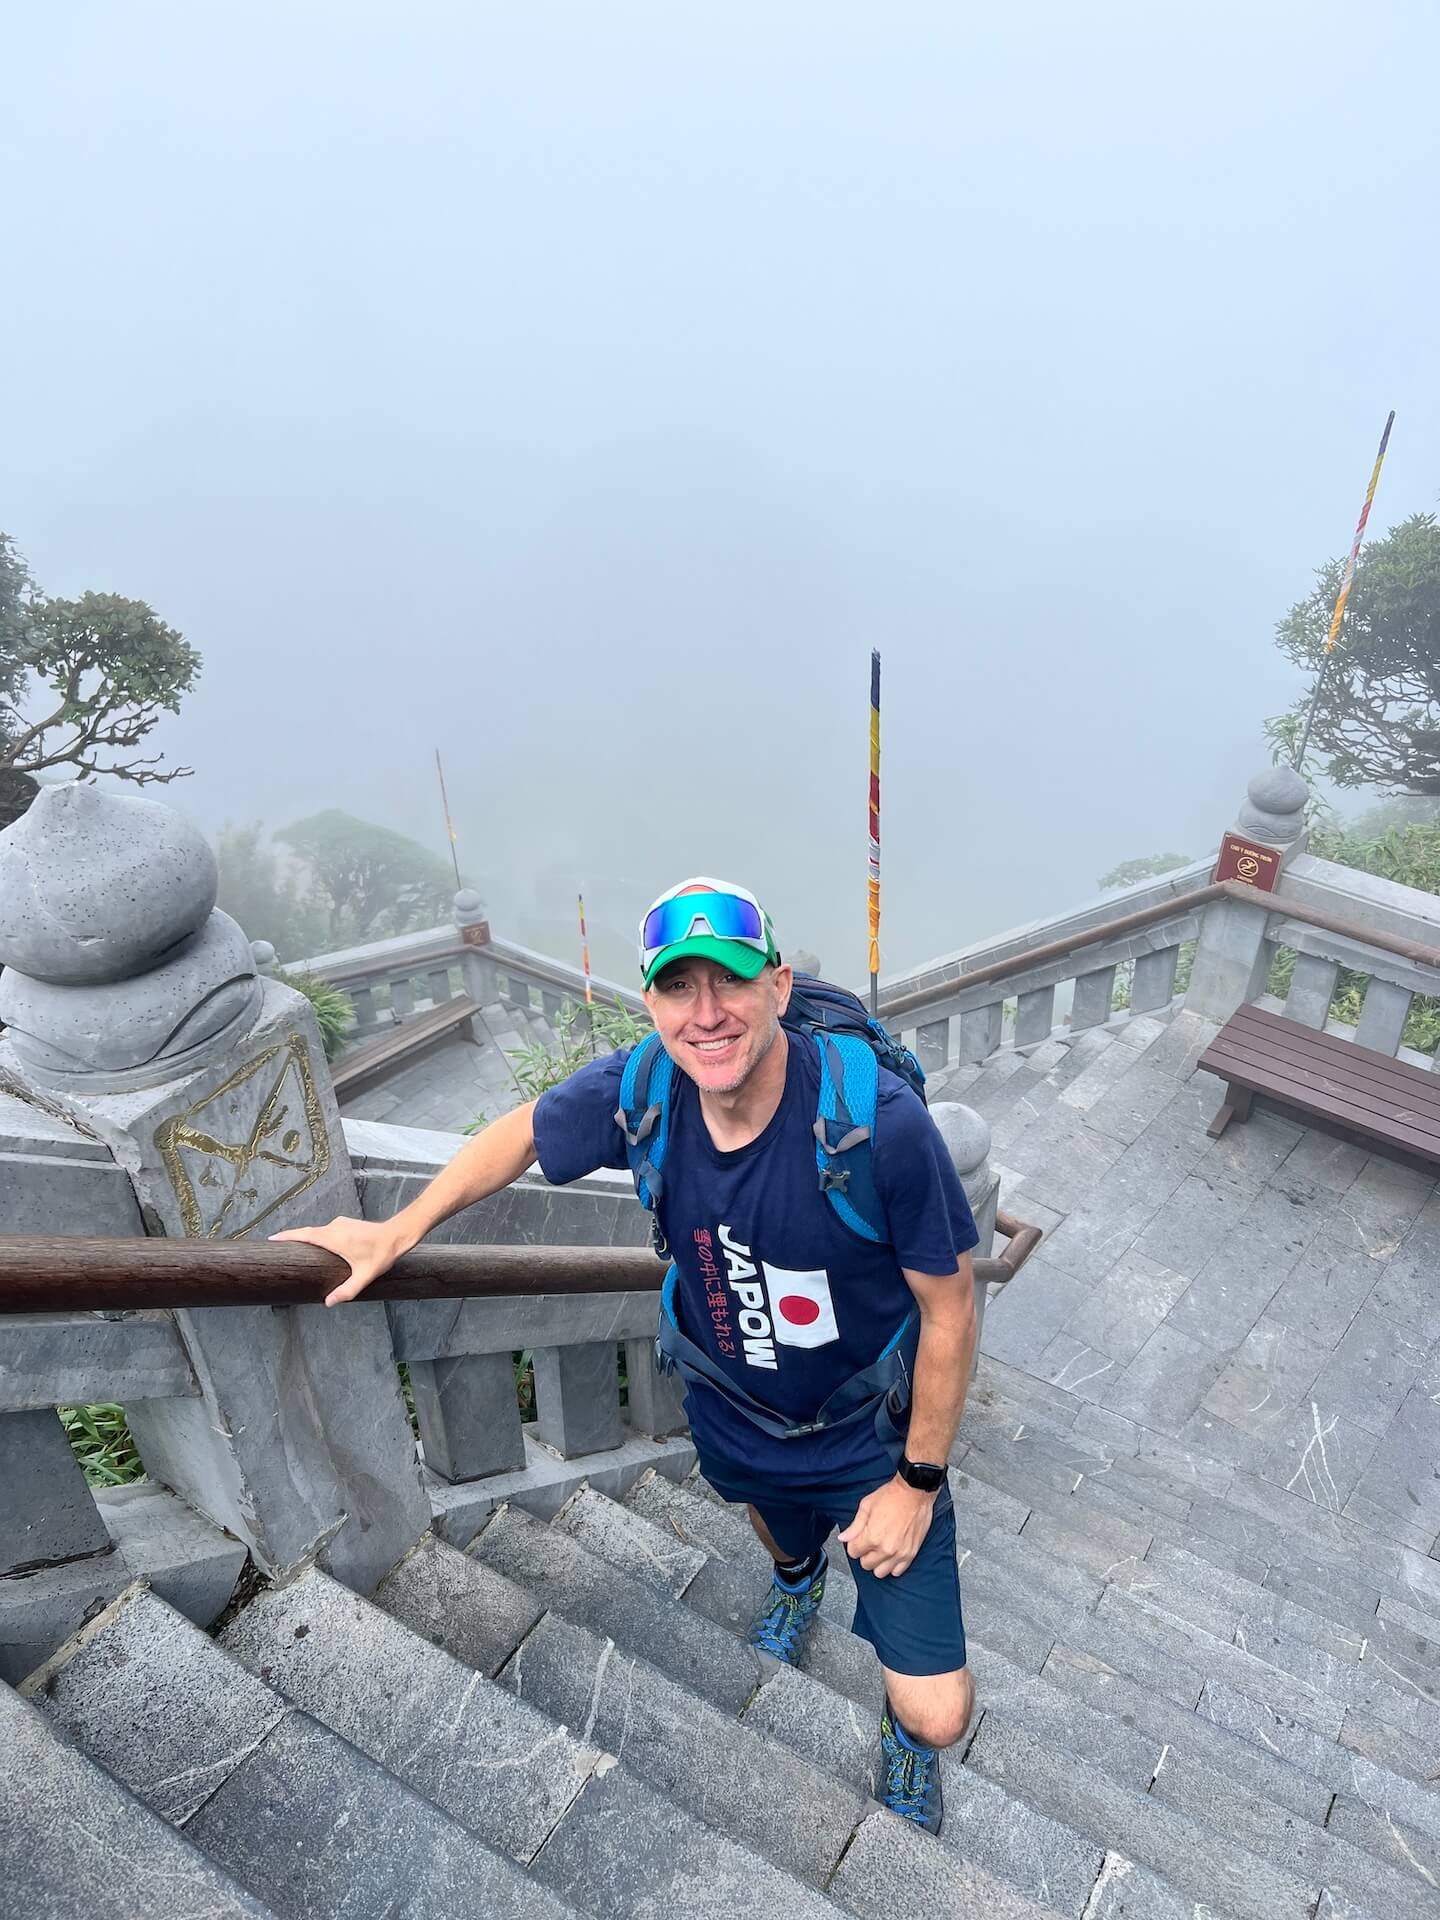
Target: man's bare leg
(933,1708)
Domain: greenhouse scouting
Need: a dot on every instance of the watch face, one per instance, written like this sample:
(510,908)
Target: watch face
(924,1478)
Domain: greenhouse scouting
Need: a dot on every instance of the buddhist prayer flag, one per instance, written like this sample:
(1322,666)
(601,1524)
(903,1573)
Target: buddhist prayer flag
(874,878)
(1348,578)
(585,952)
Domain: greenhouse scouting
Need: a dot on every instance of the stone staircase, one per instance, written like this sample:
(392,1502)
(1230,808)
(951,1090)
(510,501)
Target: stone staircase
(1177,1717)
(1205,1692)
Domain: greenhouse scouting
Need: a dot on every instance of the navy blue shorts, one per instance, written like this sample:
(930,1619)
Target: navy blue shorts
(913,1620)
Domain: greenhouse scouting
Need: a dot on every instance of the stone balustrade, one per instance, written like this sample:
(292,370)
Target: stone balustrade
(1235,944)
(64,1548)
(961,1025)
(389,981)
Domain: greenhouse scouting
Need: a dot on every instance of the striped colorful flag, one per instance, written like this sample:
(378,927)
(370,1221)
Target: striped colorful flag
(585,952)
(874,878)
(1348,578)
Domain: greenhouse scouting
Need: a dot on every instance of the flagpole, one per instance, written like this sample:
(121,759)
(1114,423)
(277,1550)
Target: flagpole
(585,952)
(1347,580)
(449,823)
(585,966)
(874,876)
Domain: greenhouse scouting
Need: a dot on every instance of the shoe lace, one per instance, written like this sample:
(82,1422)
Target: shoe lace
(909,1779)
(778,1630)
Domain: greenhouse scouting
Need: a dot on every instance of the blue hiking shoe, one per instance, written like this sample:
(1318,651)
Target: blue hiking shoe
(778,1631)
(912,1776)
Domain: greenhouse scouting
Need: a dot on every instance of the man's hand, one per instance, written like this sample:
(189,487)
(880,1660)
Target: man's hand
(370,1246)
(889,1528)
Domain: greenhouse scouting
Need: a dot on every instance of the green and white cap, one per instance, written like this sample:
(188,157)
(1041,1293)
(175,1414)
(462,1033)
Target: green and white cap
(707,919)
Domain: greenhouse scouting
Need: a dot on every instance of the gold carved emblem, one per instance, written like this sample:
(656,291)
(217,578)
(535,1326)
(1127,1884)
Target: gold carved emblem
(248,1147)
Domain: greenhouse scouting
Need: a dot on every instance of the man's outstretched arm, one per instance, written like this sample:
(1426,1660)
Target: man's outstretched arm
(492,1160)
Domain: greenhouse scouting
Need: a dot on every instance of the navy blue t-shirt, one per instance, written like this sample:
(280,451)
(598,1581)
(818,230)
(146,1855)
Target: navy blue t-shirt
(772,1284)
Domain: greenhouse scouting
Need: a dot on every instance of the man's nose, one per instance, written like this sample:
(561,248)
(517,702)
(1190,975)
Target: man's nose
(708,1010)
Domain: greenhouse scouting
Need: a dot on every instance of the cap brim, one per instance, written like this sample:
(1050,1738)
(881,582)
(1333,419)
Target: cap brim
(746,961)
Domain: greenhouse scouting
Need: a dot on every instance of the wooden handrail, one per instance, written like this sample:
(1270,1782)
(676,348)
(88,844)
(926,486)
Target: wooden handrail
(54,1273)
(1413,950)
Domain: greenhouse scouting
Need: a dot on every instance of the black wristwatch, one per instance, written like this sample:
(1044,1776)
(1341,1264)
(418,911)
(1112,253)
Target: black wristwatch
(920,1474)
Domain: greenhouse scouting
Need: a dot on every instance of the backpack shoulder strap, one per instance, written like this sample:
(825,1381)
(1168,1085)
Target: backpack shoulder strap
(643,1116)
(844,1132)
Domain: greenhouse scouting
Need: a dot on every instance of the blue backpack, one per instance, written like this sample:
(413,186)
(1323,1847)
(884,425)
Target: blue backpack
(852,1048)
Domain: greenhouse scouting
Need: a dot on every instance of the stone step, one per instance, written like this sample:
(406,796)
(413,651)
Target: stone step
(892,1868)
(1227,1532)
(1350,1873)
(318,1828)
(283,1803)
(1181,1850)
(455,1603)
(831,1732)
(840,1736)
(834,1728)
(492,1762)
(656,1556)
(990,1581)
(700,1758)
(998,1085)
(1306,1780)
(592,1593)
(732,1774)
(1036,1856)
(1290,1676)
(443,1729)
(73,1841)
(624,1851)
(997,1424)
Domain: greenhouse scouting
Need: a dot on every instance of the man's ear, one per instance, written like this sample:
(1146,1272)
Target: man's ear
(784,981)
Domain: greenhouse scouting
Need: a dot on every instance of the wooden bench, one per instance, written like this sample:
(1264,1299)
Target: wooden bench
(1351,1091)
(361,1066)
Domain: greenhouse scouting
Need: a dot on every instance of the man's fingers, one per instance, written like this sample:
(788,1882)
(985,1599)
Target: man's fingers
(348,1289)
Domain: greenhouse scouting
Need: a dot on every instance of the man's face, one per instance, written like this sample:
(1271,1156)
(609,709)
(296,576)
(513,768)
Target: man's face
(715,1026)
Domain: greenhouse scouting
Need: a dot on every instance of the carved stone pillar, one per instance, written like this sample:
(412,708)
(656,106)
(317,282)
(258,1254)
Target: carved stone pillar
(1232,955)
(134,1006)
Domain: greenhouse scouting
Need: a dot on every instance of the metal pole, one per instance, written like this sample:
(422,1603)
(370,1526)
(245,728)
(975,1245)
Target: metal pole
(1347,580)
(873,885)
(449,823)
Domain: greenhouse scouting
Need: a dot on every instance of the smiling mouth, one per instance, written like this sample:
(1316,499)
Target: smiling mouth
(712,1049)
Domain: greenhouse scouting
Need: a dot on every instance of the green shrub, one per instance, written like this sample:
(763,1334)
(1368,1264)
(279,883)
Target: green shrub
(101,1442)
(332,1009)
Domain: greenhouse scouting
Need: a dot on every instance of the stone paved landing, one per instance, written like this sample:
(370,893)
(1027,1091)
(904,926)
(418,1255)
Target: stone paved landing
(446,1089)
(1269,1300)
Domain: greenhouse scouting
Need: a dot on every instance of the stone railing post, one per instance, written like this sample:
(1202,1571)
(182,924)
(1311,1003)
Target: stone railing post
(134,1007)
(967,1134)
(657,1400)
(478,965)
(1232,955)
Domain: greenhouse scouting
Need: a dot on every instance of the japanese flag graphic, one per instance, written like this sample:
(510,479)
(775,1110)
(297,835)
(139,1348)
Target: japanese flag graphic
(801,1310)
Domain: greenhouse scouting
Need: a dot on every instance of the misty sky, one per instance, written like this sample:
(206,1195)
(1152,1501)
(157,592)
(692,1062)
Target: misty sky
(584,389)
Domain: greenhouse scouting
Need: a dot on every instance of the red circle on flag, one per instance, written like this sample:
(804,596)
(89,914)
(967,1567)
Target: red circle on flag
(798,1310)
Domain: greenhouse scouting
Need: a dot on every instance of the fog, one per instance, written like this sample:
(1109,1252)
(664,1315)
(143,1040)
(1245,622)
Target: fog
(583,390)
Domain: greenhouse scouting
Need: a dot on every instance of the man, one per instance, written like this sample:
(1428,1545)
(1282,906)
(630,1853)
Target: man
(779,1303)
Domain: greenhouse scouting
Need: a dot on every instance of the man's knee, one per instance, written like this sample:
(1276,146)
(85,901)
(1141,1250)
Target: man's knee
(935,1711)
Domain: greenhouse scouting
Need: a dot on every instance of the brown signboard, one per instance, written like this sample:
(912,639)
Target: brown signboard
(1258,866)
(477,934)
